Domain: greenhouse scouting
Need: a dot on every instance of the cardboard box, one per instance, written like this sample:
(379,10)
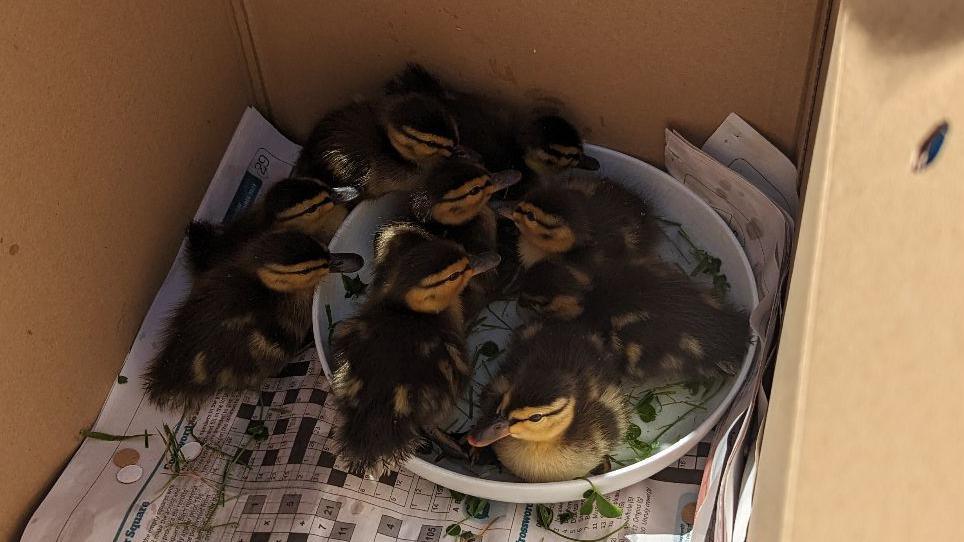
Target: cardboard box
(114,117)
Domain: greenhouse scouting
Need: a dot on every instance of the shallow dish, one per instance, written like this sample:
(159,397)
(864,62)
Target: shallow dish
(683,416)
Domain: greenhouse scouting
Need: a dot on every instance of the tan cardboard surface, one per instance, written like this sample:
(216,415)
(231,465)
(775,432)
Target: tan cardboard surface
(863,437)
(111,123)
(626,69)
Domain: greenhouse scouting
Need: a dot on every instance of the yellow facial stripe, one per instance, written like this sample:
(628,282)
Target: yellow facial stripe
(466,188)
(542,218)
(435,278)
(304,206)
(562,149)
(298,268)
(412,147)
(524,412)
(427,137)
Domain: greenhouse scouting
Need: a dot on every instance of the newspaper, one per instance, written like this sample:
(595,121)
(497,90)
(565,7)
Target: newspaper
(757,212)
(289,486)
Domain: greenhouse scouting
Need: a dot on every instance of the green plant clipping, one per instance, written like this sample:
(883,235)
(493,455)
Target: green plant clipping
(258,431)
(543,516)
(476,507)
(121,379)
(453,530)
(567,517)
(354,287)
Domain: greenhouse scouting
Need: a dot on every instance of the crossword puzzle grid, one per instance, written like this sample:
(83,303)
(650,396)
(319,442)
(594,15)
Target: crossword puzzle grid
(287,494)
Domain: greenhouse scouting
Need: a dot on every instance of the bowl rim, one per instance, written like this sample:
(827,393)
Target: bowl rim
(551,492)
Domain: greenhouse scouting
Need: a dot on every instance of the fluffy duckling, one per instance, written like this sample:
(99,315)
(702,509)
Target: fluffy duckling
(243,320)
(454,206)
(401,362)
(537,145)
(298,203)
(555,411)
(588,220)
(382,146)
(655,318)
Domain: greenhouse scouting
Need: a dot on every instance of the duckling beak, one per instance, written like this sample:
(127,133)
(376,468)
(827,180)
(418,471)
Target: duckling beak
(588,162)
(480,263)
(345,262)
(504,179)
(342,194)
(504,208)
(496,431)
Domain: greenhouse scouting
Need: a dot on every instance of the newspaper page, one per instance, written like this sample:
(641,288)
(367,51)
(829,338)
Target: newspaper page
(260,466)
(757,212)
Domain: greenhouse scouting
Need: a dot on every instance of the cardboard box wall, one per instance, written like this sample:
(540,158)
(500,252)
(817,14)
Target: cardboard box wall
(114,117)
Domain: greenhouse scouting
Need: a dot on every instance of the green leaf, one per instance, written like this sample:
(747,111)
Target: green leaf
(453,529)
(456,496)
(354,287)
(606,508)
(646,411)
(586,508)
(633,433)
(121,379)
(588,493)
(476,508)
(489,349)
(258,431)
(566,517)
(467,536)
(543,516)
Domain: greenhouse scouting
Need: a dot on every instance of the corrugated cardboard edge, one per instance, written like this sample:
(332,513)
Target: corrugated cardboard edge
(249,54)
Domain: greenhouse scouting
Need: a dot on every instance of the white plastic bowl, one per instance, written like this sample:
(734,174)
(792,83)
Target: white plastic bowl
(671,201)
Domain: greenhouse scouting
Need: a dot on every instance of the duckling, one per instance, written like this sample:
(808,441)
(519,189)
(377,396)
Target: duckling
(298,203)
(586,219)
(380,146)
(555,410)
(454,206)
(537,144)
(401,363)
(654,317)
(243,320)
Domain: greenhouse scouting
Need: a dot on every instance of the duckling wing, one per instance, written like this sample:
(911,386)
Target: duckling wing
(342,146)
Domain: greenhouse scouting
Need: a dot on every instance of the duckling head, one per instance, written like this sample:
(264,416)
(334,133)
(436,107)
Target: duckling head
(302,203)
(420,129)
(429,277)
(290,261)
(529,414)
(458,189)
(552,145)
(552,220)
(554,289)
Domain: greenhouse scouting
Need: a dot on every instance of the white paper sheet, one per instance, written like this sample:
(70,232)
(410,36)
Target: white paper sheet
(294,488)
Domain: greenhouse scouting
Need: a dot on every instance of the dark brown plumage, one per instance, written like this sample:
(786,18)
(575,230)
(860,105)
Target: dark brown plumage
(243,319)
(302,204)
(401,362)
(381,146)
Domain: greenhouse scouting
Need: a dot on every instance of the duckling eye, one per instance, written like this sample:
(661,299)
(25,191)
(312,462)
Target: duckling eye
(530,216)
(475,191)
(453,276)
(535,418)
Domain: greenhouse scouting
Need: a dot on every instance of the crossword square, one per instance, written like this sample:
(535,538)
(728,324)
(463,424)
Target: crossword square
(299,368)
(298,537)
(430,533)
(703,449)
(270,458)
(260,537)
(254,504)
(289,503)
(317,397)
(329,509)
(337,478)
(388,478)
(389,526)
(280,426)
(342,531)
(291,397)
(245,411)
(326,459)
(267,397)
(244,458)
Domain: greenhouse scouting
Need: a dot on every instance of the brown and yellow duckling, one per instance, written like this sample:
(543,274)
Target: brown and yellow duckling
(302,204)
(381,146)
(587,220)
(243,319)
(555,410)
(537,145)
(401,363)
(454,206)
(655,318)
